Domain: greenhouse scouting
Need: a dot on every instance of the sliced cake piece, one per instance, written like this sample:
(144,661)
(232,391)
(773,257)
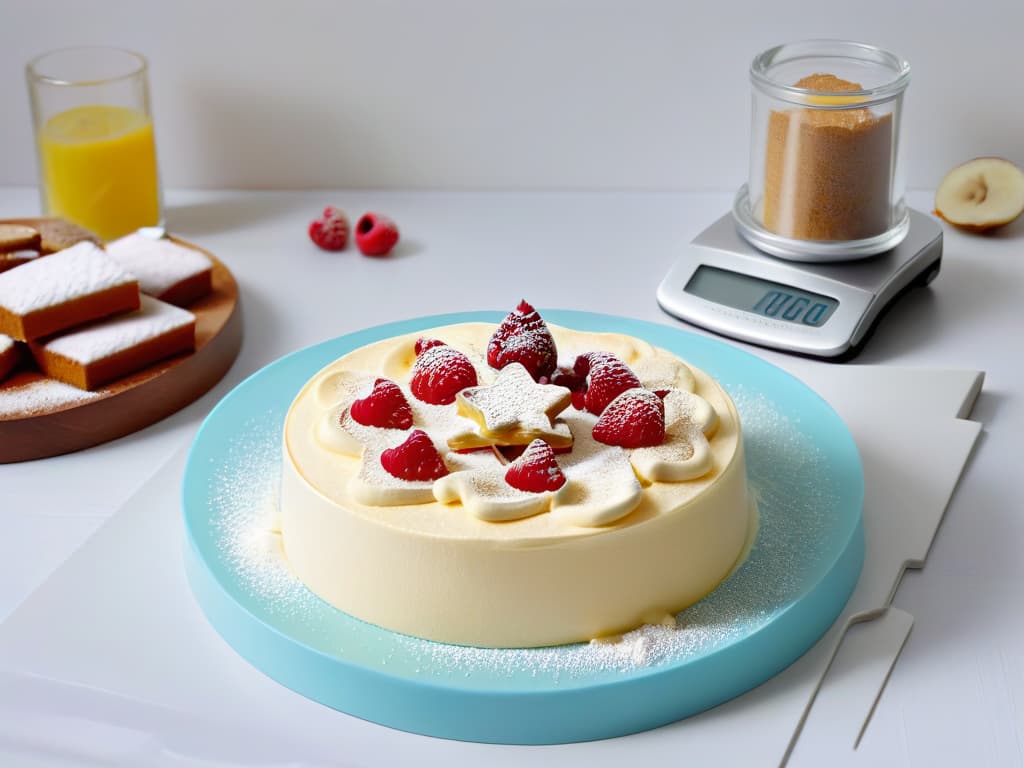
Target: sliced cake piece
(19,243)
(97,354)
(16,259)
(18,237)
(10,353)
(164,269)
(55,233)
(71,287)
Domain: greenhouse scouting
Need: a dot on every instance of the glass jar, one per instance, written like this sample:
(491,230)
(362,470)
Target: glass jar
(826,179)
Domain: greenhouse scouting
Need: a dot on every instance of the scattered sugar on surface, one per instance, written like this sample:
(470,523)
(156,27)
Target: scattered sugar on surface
(786,470)
(243,513)
(40,396)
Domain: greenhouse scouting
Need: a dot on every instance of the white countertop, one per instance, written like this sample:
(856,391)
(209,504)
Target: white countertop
(957,694)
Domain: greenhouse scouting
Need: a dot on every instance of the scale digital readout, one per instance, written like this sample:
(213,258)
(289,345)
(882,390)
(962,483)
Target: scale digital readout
(825,310)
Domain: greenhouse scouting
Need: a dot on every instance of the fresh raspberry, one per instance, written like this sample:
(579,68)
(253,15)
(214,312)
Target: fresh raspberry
(415,459)
(523,337)
(536,470)
(440,373)
(634,419)
(330,231)
(607,378)
(385,406)
(423,343)
(564,377)
(376,235)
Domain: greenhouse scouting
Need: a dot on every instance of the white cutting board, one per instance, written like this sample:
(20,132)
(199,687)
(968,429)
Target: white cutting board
(111,662)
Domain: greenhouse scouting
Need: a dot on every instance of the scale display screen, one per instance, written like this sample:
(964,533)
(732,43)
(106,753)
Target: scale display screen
(762,297)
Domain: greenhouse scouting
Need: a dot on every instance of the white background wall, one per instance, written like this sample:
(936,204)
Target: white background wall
(501,93)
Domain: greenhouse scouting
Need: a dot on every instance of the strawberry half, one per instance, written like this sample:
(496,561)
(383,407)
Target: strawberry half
(634,419)
(536,470)
(439,373)
(415,459)
(523,337)
(385,406)
(607,378)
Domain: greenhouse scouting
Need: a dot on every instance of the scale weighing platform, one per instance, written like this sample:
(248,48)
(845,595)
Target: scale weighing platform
(825,310)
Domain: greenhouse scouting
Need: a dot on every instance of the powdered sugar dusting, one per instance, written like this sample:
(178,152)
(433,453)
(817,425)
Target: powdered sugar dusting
(158,263)
(40,396)
(242,511)
(6,343)
(797,497)
(107,337)
(81,270)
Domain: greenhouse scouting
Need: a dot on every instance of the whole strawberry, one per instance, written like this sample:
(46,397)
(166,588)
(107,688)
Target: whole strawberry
(439,373)
(376,235)
(634,419)
(330,231)
(523,337)
(607,378)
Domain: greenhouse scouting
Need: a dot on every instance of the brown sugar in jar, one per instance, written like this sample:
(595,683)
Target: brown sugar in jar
(828,171)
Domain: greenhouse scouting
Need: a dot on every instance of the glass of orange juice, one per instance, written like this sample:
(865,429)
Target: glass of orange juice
(94,139)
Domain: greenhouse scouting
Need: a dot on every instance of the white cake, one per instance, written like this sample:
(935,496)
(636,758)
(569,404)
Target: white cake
(632,536)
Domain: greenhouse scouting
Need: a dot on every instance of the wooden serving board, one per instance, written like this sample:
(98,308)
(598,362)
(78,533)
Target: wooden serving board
(137,400)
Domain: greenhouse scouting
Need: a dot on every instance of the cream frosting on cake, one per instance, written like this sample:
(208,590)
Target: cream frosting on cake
(634,534)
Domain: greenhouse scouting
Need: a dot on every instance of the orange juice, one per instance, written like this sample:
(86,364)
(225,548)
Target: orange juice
(98,167)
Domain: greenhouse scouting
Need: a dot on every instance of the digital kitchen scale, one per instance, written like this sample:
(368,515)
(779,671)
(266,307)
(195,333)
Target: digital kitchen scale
(825,310)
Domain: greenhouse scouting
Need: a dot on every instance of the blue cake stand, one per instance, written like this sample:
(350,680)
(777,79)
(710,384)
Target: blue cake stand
(804,564)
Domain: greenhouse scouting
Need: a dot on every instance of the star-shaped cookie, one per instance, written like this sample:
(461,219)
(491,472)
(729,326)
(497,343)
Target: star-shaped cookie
(514,410)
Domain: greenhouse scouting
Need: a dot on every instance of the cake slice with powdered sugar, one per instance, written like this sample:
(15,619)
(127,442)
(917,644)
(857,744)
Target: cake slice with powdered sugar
(164,269)
(96,354)
(9,355)
(74,286)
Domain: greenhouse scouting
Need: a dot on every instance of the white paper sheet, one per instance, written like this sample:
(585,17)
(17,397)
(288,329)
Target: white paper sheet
(111,661)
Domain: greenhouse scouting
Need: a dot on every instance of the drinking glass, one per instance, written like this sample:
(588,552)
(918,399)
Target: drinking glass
(93,130)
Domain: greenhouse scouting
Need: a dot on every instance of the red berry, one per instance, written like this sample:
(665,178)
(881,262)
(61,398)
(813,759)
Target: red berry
(607,378)
(423,343)
(439,373)
(330,231)
(634,419)
(385,406)
(536,470)
(415,459)
(523,337)
(579,401)
(563,377)
(376,235)
(513,452)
